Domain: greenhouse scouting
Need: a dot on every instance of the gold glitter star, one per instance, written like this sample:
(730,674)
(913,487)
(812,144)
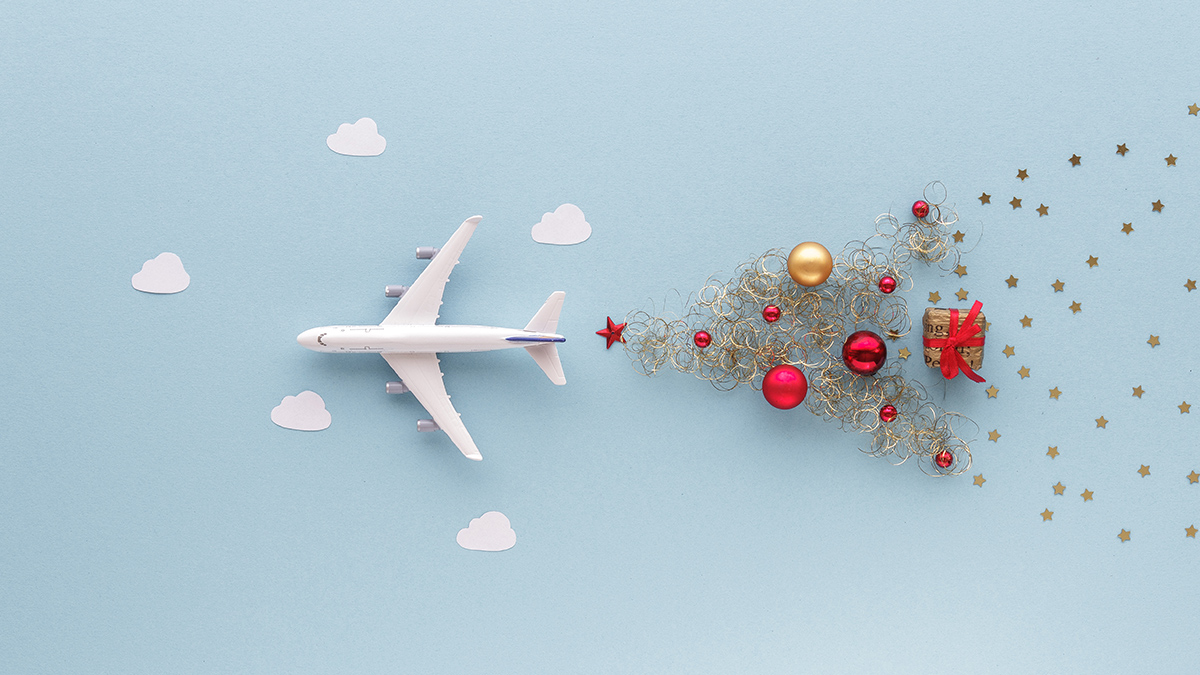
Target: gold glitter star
(1170,159)
(1022,174)
(1011,281)
(961,271)
(1047,515)
(1127,227)
(992,391)
(1055,393)
(1184,407)
(1193,109)
(1027,322)
(1121,149)
(1101,423)
(1190,285)
(1016,203)
(1075,160)
(994,435)
(1191,531)
(1124,536)
(1058,488)
(1153,341)
(980,480)
(1093,261)
(935,297)
(1009,351)
(1145,470)
(1138,391)
(1043,210)
(1193,477)
(1023,372)
(985,198)
(1087,495)
(891,335)
(958,236)
(1058,285)
(962,294)
(1052,451)
(904,353)
(1076,307)
(987,326)
(1157,206)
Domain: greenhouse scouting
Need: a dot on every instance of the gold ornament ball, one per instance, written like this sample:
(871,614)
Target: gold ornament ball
(810,264)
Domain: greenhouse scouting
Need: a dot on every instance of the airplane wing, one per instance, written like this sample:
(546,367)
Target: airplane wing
(423,376)
(421,302)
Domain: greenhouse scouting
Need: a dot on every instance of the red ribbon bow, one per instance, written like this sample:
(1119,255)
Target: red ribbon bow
(952,361)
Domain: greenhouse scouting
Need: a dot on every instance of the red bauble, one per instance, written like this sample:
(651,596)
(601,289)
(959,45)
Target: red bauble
(771,313)
(702,339)
(944,459)
(784,386)
(864,352)
(887,413)
(920,208)
(887,285)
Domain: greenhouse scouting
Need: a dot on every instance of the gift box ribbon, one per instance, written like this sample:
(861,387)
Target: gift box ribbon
(964,336)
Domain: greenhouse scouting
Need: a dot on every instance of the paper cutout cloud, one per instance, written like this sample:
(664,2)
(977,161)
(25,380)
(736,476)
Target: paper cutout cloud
(360,139)
(489,532)
(303,412)
(162,274)
(564,227)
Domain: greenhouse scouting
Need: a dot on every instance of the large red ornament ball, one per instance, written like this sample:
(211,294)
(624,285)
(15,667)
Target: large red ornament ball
(944,459)
(785,386)
(887,285)
(771,313)
(864,352)
(887,413)
(702,339)
(920,208)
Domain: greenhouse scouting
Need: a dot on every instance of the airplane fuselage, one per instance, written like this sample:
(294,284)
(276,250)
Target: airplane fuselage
(419,339)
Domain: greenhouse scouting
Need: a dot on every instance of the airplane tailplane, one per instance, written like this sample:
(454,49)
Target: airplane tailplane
(546,320)
(546,355)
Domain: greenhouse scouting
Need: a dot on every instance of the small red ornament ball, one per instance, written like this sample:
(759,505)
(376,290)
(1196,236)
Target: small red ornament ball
(702,339)
(920,208)
(785,386)
(864,352)
(887,413)
(887,285)
(944,459)
(771,313)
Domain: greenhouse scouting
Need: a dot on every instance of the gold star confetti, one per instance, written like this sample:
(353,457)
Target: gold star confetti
(1058,488)
(1127,227)
(1087,495)
(1138,391)
(1145,470)
(1157,205)
(1016,203)
(1184,407)
(1058,285)
(980,480)
(1170,159)
(1190,285)
(985,198)
(1023,372)
(994,435)
(962,294)
(987,326)
(891,335)
(1027,322)
(935,297)
(1193,477)
(1124,536)
(1153,341)
(1011,281)
(1043,210)
(1193,109)
(1075,160)
(961,271)
(1076,307)
(1052,451)
(992,391)
(1121,149)
(1093,261)
(1047,515)
(1009,351)
(1022,174)
(1101,423)
(1191,531)
(1055,393)
(904,353)
(958,236)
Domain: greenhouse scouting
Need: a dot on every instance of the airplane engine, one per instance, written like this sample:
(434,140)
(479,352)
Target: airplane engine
(394,291)
(396,388)
(427,425)
(427,252)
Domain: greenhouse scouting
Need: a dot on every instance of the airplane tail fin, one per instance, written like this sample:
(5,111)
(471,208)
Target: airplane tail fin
(546,353)
(546,356)
(546,320)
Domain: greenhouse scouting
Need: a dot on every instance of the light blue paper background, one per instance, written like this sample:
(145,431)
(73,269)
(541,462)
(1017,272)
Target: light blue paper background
(153,519)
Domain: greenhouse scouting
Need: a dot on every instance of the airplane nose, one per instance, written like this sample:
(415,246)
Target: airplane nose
(308,339)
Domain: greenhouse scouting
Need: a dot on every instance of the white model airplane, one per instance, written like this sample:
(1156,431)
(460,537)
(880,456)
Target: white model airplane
(410,339)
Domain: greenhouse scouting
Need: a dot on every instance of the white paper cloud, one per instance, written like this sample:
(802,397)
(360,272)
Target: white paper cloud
(360,139)
(303,412)
(162,274)
(563,227)
(489,532)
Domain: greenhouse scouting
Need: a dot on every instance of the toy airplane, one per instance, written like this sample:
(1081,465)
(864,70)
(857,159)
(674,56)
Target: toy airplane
(410,339)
